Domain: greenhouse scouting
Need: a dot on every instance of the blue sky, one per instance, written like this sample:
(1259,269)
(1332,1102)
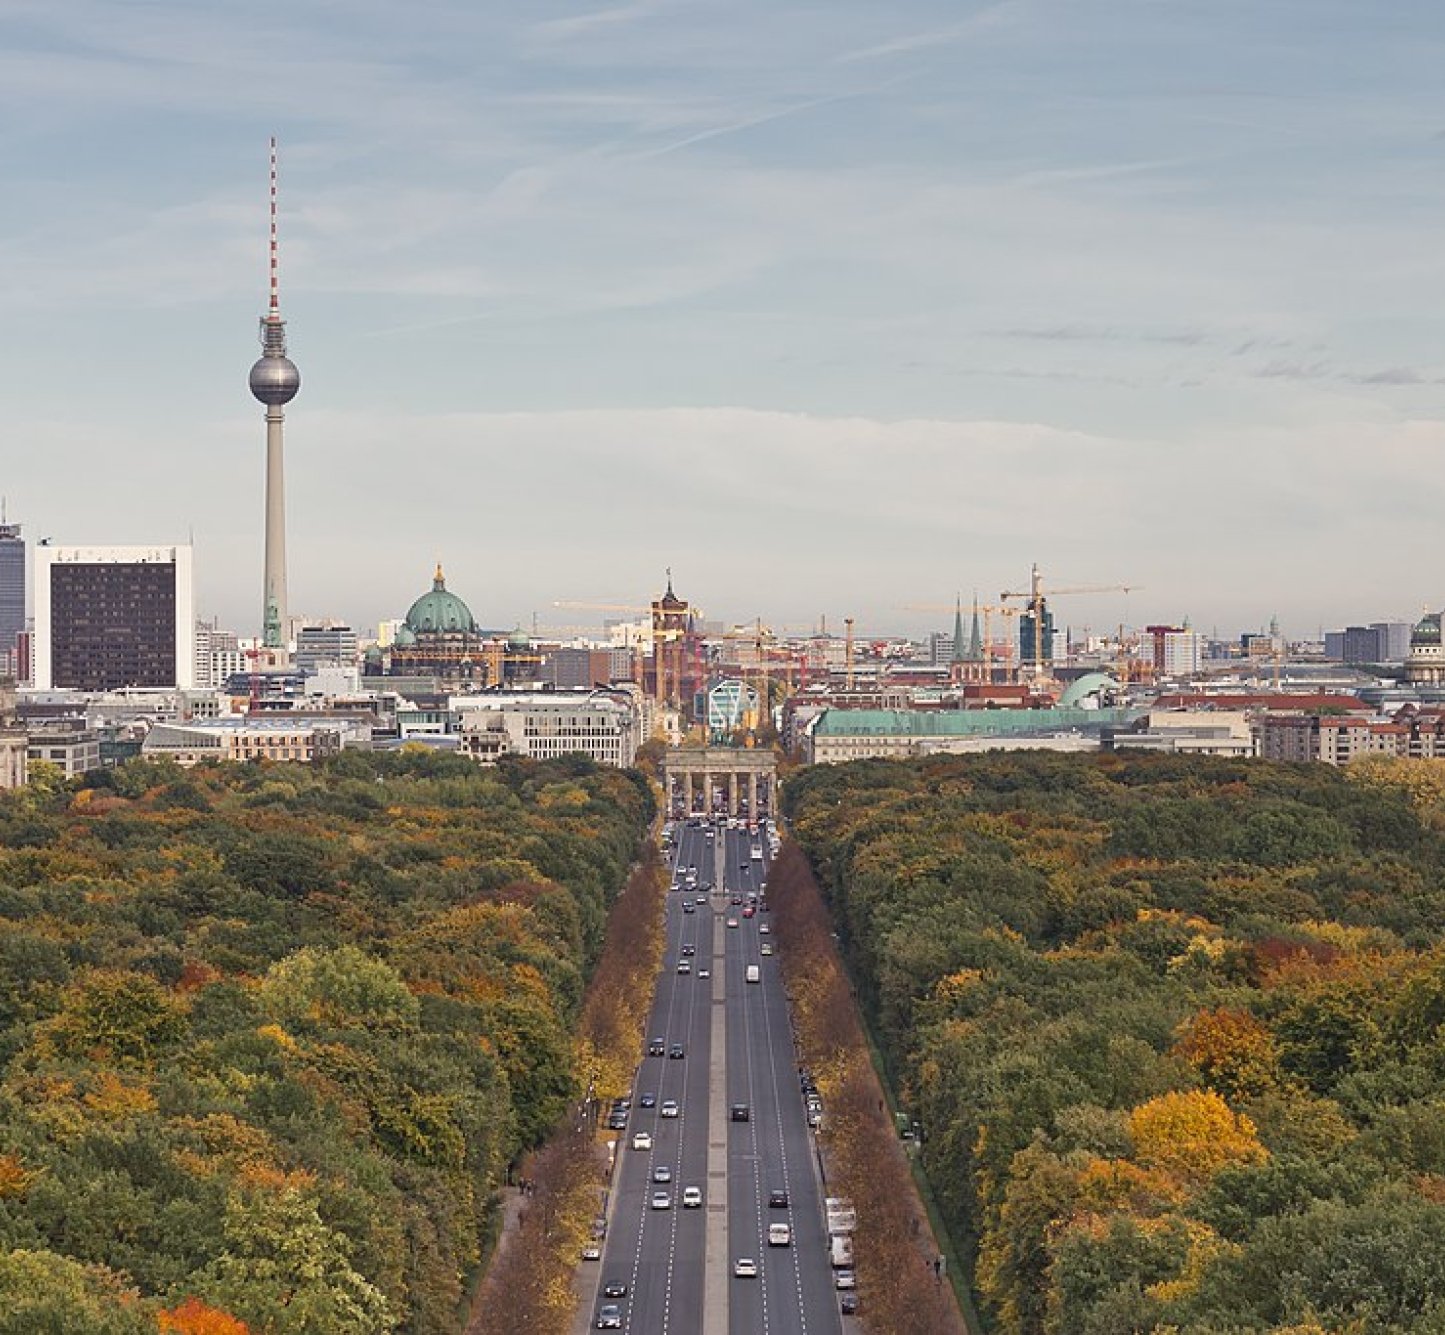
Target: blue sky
(832,307)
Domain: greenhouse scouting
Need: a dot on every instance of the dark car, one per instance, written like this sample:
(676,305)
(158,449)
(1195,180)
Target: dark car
(617,1121)
(778,1200)
(688,950)
(676,1052)
(741,1112)
(615,1288)
(848,1303)
(656,1048)
(647,1100)
(609,1317)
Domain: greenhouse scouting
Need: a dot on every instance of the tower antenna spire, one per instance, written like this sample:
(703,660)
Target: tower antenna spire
(275,308)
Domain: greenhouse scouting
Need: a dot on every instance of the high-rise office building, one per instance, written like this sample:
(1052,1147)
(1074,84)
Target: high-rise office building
(319,644)
(111,617)
(12,596)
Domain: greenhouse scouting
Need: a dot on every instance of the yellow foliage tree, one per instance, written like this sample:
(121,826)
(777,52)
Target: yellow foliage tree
(1191,1135)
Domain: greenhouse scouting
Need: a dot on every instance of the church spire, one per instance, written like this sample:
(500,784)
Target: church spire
(958,647)
(975,637)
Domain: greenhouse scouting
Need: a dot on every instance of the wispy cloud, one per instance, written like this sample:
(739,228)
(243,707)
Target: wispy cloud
(1383,377)
(908,43)
(578,25)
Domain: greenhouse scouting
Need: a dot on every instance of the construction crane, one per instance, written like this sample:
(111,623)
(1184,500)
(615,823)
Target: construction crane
(1037,601)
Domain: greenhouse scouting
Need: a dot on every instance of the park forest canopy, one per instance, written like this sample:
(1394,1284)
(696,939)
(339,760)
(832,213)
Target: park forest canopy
(1174,1028)
(269,1036)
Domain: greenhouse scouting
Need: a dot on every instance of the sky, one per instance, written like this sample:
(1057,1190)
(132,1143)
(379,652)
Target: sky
(834,308)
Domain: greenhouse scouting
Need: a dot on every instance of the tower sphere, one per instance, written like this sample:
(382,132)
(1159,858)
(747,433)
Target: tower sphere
(275,380)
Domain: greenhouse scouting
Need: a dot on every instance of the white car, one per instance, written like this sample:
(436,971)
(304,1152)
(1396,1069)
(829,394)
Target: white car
(662,1173)
(668,1109)
(592,1252)
(661,1200)
(732,922)
(684,966)
(745,1268)
(642,1140)
(691,1198)
(766,948)
(764,929)
(844,1279)
(704,973)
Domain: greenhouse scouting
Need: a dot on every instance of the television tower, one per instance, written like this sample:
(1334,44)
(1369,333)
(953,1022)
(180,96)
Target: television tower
(274,381)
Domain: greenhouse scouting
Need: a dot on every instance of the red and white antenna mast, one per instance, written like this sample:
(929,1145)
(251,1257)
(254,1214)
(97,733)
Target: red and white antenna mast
(275,310)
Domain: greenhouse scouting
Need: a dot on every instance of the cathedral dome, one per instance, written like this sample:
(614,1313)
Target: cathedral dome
(440,612)
(1427,630)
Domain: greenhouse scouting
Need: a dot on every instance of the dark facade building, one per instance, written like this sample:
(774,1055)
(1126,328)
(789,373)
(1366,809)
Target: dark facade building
(12,596)
(1042,648)
(108,618)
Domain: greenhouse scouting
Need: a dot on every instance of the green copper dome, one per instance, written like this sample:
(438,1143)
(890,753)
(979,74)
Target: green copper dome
(518,641)
(1427,630)
(440,612)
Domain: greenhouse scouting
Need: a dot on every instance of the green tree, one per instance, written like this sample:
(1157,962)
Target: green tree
(285,1272)
(45,1294)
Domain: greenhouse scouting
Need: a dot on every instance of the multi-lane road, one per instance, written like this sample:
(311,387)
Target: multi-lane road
(678,1262)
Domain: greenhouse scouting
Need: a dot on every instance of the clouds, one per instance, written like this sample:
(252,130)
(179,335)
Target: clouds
(893,266)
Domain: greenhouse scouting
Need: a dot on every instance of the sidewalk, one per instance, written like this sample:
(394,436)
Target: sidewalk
(513,1203)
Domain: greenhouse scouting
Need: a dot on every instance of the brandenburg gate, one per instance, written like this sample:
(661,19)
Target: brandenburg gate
(706,774)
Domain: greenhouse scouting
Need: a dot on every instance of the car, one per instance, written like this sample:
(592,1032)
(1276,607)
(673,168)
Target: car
(662,1173)
(736,899)
(677,1052)
(848,1304)
(622,1105)
(656,1047)
(661,1200)
(740,1112)
(845,1279)
(732,922)
(688,908)
(777,1199)
(668,1109)
(617,1121)
(647,1100)
(615,1288)
(691,1198)
(780,1235)
(609,1317)
(766,948)
(689,949)
(592,1252)
(684,966)
(704,973)
(745,1268)
(764,929)
(749,911)
(642,1140)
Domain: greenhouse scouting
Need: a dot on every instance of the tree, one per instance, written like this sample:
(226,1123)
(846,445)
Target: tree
(45,1294)
(285,1272)
(1233,1051)
(1191,1135)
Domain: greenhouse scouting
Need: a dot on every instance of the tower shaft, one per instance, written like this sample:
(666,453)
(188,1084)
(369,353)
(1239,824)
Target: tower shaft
(274,612)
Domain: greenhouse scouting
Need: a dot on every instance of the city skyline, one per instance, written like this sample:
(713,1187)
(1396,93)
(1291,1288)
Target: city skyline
(829,317)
